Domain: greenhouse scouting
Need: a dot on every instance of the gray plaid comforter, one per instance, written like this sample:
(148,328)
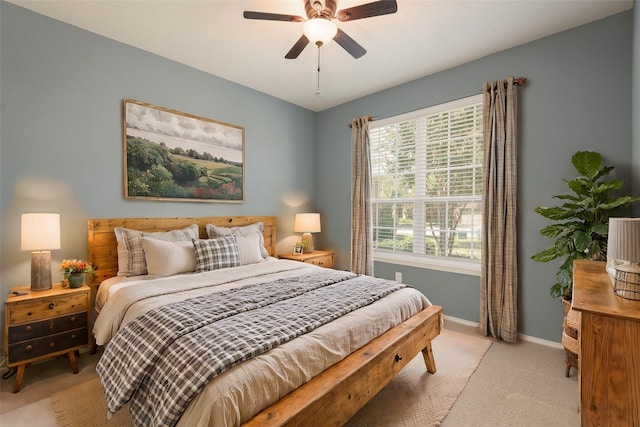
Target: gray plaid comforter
(160,361)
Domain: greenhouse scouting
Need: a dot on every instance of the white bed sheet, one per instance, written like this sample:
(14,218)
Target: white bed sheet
(240,393)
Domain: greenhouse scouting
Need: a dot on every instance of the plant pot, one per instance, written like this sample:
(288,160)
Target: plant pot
(76,280)
(570,332)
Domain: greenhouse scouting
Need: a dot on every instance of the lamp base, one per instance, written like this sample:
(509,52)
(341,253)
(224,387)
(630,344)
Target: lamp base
(307,243)
(40,270)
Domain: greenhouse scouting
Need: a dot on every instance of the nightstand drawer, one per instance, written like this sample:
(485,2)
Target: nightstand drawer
(31,349)
(47,327)
(319,258)
(324,261)
(46,308)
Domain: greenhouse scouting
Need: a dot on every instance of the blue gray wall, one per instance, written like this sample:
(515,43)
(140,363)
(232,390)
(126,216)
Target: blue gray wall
(577,98)
(61,145)
(61,135)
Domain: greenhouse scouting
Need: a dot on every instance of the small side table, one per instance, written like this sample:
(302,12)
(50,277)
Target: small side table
(44,324)
(319,258)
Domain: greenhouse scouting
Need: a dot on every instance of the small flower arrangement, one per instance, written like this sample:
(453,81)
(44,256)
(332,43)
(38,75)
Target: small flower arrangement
(69,266)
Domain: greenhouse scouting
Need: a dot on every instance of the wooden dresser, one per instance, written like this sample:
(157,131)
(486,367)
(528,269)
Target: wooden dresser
(44,324)
(609,349)
(320,258)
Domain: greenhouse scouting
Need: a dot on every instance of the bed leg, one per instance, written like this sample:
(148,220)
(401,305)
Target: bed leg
(427,353)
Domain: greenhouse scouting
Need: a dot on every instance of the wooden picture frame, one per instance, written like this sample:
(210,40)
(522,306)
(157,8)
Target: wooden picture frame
(174,156)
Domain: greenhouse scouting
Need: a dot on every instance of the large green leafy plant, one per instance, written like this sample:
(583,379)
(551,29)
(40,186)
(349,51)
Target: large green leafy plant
(582,221)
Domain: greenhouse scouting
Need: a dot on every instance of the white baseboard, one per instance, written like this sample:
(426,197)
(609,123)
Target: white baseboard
(461,321)
(535,340)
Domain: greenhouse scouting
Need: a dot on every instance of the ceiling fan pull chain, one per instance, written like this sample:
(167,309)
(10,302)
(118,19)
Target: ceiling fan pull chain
(318,93)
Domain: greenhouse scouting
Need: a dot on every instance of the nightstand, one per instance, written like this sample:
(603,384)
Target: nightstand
(321,258)
(44,324)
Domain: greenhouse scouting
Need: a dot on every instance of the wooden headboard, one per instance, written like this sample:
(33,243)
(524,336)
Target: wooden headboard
(103,247)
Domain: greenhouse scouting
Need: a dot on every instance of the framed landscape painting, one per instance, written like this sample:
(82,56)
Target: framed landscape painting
(171,155)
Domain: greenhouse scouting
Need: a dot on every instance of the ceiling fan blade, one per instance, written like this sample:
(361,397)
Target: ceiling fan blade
(376,8)
(297,48)
(272,16)
(349,44)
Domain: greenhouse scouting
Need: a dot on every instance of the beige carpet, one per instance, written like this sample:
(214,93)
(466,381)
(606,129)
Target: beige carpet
(413,398)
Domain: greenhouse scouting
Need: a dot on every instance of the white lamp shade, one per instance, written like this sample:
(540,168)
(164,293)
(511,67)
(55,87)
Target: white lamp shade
(319,30)
(40,231)
(623,246)
(623,256)
(307,223)
(624,239)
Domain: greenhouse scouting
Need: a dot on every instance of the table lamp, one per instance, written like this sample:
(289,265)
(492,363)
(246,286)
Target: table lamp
(307,223)
(623,256)
(40,233)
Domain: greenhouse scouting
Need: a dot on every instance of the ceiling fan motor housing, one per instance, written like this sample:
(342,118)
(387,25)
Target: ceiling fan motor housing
(320,8)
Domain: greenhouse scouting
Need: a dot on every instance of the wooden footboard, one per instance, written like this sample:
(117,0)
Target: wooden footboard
(338,393)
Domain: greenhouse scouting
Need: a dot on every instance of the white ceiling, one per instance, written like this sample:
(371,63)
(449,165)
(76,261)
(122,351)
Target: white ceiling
(422,38)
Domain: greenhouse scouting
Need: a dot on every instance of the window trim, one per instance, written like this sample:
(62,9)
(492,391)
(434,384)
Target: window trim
(451,265)
(450,105)
(447,264)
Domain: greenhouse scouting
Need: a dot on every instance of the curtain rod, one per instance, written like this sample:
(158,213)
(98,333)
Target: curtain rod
(517,81)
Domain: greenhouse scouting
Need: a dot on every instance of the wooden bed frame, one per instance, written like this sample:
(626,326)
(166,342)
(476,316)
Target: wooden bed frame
(335,395)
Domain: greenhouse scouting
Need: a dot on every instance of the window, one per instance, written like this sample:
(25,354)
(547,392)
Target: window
(427,186)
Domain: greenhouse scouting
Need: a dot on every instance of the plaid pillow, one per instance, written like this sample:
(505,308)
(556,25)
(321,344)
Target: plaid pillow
(214,254)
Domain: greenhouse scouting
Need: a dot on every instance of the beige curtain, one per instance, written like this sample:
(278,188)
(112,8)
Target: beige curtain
(361,238)
(499,273)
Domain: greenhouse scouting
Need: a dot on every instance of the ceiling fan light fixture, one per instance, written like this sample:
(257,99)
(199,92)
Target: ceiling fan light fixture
(319,31)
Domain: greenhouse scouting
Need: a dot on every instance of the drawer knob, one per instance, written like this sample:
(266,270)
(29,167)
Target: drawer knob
(398,358)
(52,344)
(29,347)
(27,328)
(73,318)
(51,306)
(73,336)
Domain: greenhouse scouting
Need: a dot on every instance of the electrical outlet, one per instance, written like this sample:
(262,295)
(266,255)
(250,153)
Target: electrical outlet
(398,277)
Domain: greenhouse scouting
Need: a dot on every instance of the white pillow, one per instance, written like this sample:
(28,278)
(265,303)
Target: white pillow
(168,258)
(249,231)
(249,249)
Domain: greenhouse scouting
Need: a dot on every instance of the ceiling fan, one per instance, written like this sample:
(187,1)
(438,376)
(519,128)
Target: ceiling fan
(320,29)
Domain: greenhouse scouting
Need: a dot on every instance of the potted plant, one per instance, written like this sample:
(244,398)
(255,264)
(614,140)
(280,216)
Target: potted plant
(74,271)
(582,221)
(580,229)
